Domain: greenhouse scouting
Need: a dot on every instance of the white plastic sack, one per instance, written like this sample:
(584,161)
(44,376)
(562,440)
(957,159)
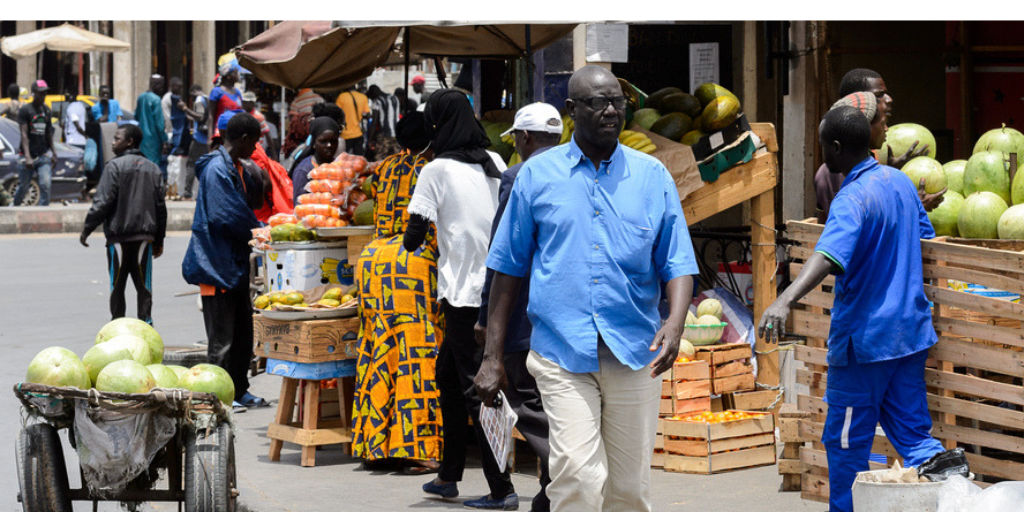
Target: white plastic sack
(115,447)
(175,168)
(959,494)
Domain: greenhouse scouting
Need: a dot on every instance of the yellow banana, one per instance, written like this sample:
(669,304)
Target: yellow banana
(650,148)
(636,139)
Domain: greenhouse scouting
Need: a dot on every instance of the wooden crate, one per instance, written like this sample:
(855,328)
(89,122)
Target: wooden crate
(708,448)
(975,370)
(790,466)
(690,405)
(306,341)
(729,366)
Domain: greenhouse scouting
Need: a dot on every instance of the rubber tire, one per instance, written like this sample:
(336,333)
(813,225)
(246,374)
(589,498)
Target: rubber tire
(210,470)
(184,356)
(32,195)
(42,474)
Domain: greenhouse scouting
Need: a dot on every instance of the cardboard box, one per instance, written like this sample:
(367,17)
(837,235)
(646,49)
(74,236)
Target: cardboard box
(294,266)
(715,142)
(739,152)
(306,341)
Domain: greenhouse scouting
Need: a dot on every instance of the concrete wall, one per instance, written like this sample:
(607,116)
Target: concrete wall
(204,58)
(27,66)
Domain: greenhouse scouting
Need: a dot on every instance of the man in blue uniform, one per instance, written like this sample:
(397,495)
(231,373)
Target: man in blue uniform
(881,322)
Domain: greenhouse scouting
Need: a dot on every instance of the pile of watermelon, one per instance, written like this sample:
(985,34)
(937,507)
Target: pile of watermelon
(127,357)
(981,200)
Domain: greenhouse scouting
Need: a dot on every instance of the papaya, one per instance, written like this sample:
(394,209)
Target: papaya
(654,99)
(301,234)
(646,117)
(672,126)
(363,215)
(280,233)
(691,137)
(709,91)
(681,102)
(721,112)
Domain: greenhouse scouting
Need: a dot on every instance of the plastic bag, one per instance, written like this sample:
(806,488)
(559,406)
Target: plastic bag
(282,218)
(115,447)
(959,494)
(304,210)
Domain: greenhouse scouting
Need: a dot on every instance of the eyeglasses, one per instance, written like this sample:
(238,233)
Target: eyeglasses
(601,102)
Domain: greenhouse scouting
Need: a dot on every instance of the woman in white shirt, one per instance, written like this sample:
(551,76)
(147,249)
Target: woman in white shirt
(458,192)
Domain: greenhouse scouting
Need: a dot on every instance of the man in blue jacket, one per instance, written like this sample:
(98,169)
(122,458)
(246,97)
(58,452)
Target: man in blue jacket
(217,258)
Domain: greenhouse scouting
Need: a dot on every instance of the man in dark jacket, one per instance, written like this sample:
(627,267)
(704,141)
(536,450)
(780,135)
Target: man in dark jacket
(217,258)
(129,202)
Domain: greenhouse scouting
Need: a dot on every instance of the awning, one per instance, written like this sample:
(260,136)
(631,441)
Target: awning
(65,38)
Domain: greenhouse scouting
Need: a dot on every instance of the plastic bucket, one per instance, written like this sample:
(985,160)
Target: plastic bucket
(894,497)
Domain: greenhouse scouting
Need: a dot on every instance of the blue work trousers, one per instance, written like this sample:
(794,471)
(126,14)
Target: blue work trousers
(860,396)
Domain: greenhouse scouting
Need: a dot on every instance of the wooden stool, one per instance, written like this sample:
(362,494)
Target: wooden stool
(308,430)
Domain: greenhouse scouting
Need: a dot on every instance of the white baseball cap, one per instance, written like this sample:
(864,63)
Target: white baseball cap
(537,117)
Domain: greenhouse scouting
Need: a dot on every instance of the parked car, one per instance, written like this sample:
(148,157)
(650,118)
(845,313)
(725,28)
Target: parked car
(68,176)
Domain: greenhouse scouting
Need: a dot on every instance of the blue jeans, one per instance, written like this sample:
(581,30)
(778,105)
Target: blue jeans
(43,167)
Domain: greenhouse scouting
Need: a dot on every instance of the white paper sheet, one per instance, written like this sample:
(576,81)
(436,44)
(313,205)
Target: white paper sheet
(497,423)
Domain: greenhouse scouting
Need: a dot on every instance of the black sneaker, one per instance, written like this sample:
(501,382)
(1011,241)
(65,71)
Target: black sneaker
(944,465)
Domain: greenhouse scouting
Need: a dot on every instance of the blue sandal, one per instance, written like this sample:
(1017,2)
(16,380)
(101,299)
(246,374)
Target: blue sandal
(250,400)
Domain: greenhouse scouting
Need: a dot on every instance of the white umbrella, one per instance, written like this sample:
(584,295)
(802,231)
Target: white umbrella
(65,38)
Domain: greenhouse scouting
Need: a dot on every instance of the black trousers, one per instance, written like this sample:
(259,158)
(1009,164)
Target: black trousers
(228,318)
(524,398)
(135,260)
(457,364)
(356,146)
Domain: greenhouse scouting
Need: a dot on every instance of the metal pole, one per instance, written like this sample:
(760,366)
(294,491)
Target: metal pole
(405,86)
(529,66)
(280,118)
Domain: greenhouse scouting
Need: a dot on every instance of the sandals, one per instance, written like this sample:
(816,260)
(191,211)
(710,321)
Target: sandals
(250,400)
(237,407)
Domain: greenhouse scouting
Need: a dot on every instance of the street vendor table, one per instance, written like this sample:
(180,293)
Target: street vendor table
(301,385)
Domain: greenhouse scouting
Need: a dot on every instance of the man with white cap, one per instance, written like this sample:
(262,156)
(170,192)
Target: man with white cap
(537,127)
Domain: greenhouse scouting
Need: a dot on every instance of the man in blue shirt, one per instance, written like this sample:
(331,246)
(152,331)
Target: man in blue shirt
(537,128)
(881,322)
(107,110)
(599,230)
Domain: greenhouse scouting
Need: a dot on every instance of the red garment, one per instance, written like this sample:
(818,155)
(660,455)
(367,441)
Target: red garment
(280,195)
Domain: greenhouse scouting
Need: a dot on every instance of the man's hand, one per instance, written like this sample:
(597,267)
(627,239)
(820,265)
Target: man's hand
(773,321)
(30,163)
(667,340)
(480,333)
(158,251)
(181,105)
(930,201)
(166,148)
(912,152)
(53,161)
(82,239)
(489,380)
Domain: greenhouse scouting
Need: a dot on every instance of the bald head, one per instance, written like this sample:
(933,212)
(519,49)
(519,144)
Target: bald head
(585,79)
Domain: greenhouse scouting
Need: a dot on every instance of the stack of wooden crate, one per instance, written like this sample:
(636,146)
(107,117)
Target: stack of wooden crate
(730,367)
(789,434)
(706,447)
(685,389)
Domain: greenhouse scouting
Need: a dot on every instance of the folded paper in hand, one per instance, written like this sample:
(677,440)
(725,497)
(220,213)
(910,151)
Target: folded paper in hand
(497,423)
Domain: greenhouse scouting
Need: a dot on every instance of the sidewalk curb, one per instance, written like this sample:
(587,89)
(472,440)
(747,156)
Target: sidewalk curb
(71,218)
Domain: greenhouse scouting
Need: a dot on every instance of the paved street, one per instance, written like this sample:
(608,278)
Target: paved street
(55,293)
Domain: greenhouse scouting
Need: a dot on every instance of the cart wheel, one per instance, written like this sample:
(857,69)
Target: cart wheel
(210,484)
(42,475)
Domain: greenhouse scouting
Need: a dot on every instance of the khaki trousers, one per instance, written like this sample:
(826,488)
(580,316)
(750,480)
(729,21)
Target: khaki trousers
(602,434)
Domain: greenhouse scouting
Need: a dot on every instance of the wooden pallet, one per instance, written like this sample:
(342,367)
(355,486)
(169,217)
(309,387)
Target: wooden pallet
(975,369)
(707,448)
(790,466)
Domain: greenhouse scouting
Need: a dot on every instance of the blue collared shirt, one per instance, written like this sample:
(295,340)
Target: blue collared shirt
(598,244)
(873,232)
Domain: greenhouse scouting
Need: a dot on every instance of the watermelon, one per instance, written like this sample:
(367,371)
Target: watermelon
(901,136)
(987,171)
(979,215)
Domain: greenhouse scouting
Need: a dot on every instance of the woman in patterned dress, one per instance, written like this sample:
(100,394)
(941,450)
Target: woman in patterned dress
(396,411)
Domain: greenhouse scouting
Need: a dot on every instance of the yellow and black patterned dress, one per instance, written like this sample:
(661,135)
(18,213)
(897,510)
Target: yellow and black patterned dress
(397,413)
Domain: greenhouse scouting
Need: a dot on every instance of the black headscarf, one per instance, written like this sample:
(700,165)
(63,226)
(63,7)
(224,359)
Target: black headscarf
(458,135)
(411,132)
(321,125)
